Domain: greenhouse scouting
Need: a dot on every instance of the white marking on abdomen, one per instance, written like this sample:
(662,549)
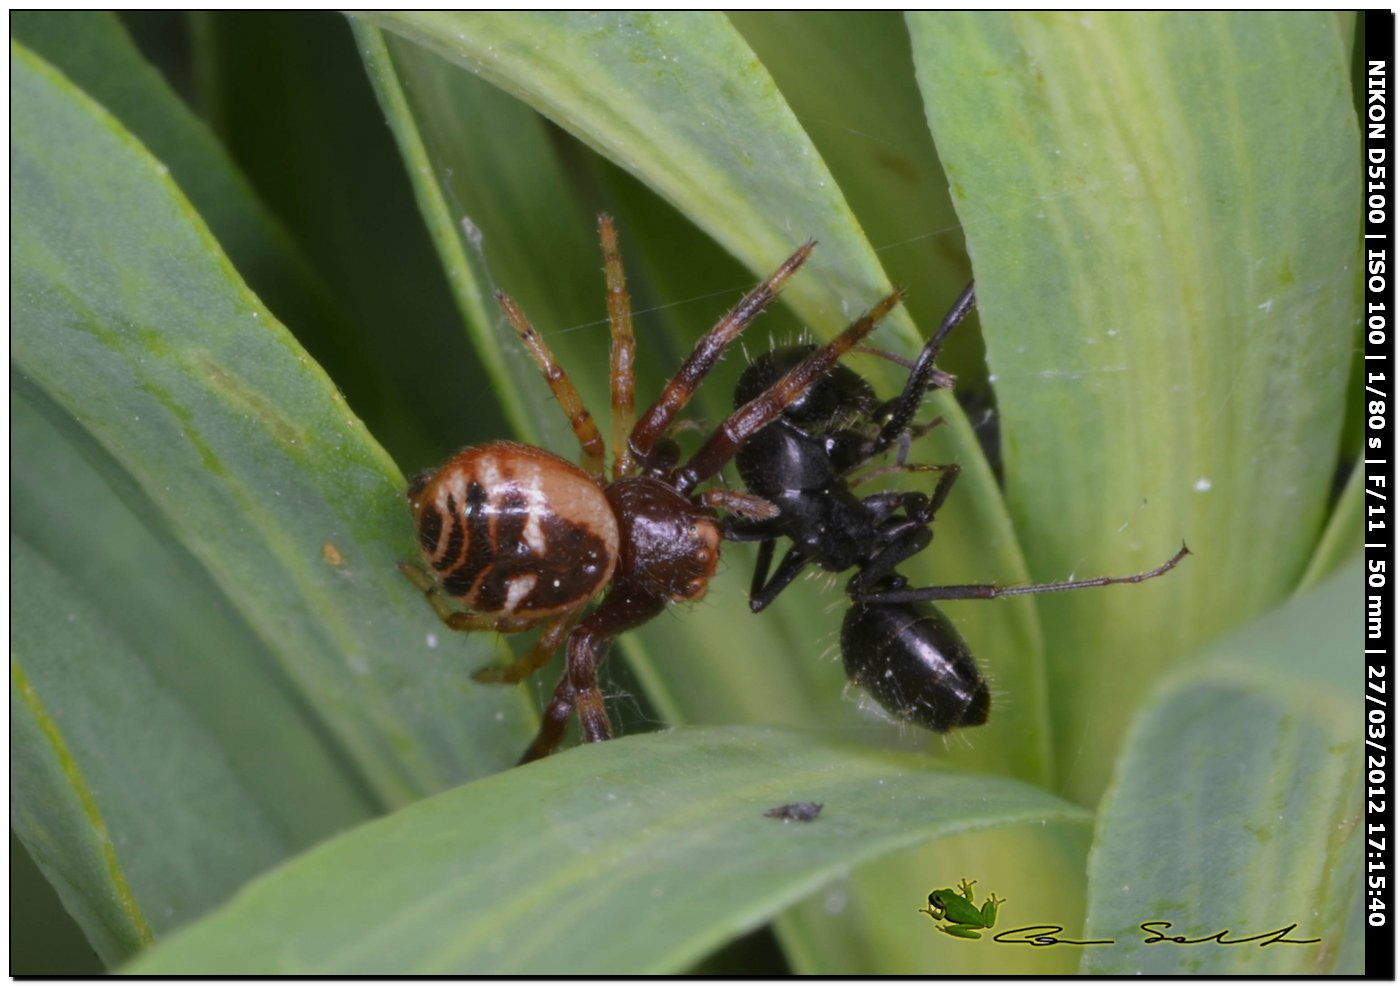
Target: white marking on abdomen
(531,481)
(517,589)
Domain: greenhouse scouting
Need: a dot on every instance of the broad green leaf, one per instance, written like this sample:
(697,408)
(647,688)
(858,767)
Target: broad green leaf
(1237,805)
(157,666)
(54,811)
(664,95)
(635,856)
(1162,212)
(129,320)
(94,51)
(863,112)
(1344,532)
(485,203)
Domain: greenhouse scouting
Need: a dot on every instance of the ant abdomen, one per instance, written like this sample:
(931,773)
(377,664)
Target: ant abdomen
(912,661)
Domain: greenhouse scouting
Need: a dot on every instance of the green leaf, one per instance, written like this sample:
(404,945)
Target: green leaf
(1236,805)
(864,114)
(474,193)
(635,856)
(1162,211)
(148,663)
(93,50)
(679,88)
(131,325)
(1339,542)
(288,95)
(59,820)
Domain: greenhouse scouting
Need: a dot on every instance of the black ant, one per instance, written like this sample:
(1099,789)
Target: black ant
(894,644)
(522,538)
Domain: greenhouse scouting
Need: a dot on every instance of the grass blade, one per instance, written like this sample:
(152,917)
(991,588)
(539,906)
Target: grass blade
(1169,249)
(635,856)
(1236,805)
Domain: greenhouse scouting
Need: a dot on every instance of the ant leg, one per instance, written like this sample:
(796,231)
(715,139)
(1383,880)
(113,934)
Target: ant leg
(768,406)
(905,541)
(761,564)
(706,352)
(585,428)
(900,467)
(951,472)
(922,374)
(919,431)
(761,596)
(455,618)
(534,658)
(624,347)
(942,592)
(921,509)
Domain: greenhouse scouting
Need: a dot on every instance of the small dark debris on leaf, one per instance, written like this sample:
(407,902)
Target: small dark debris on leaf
(798,811)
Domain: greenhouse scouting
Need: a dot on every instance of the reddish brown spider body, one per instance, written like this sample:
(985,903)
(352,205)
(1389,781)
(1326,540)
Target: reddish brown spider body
(514,530)
(522,538)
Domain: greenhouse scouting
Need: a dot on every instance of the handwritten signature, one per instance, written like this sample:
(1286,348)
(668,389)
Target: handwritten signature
(1043,935)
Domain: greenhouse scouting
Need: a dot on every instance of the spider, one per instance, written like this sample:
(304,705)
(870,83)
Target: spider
(522,538)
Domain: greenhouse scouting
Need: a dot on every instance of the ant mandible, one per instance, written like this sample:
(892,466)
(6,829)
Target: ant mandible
(522,538)
(894,644)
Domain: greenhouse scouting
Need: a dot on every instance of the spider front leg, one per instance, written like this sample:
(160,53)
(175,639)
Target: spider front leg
(621,381)
(678,391)
(726,440)
(580,420)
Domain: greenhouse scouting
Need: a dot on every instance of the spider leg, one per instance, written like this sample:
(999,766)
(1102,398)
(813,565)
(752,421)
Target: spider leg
(707,351)
(623,608)
(922,375)
(620,372)
(585,428)
(553,723)
(757,414)
(744,505)
(458,619)
(938,592)
(534,658)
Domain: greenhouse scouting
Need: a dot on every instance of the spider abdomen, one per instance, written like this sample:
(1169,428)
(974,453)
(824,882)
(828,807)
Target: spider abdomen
(511,529)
